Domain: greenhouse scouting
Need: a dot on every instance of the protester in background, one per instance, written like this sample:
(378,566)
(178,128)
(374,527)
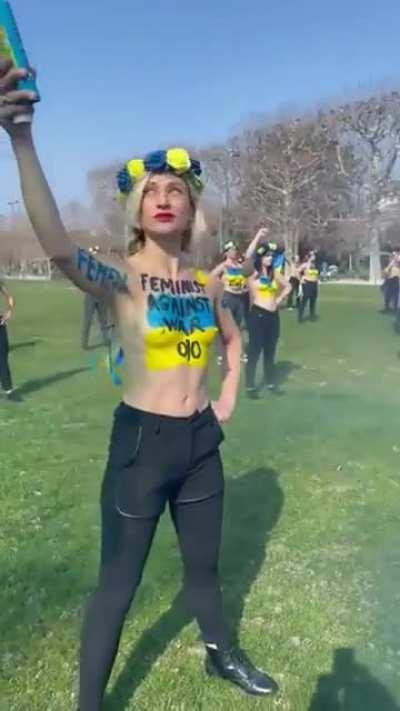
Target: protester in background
(268,288)
(391,287)
(91,307)
(230,271)
(5,372)
(309,280)
(294,281)
(165,441)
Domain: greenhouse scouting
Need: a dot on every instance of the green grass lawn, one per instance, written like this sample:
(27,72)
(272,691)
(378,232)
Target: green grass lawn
(310,561)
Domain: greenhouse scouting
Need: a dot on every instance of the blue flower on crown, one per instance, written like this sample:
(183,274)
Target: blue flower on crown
(156,161)
(124,181)
(196,167)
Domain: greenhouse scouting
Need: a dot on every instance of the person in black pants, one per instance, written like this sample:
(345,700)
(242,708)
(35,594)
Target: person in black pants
(309,287)
(294,281)
(230,271)
(391,287)
(268,289)
(166,434)
(5,372)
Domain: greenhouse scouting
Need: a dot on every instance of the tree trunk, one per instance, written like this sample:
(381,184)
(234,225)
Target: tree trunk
(296,243)
(288,232)
(375,269)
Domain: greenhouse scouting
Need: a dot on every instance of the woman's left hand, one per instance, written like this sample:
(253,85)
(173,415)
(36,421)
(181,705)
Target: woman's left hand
(223,409)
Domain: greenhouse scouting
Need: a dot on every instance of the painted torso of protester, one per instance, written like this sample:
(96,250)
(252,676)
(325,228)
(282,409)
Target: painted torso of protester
(309,272)
(235,283)
(166,327)
(165,323)
(268,287)
(231,270)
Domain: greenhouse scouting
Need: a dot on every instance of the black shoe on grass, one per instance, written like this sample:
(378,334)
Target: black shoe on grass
(236,667)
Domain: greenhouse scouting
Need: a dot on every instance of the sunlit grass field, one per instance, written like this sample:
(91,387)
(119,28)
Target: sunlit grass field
(310,564)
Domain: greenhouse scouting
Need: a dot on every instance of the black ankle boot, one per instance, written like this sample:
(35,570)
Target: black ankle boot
(234,666)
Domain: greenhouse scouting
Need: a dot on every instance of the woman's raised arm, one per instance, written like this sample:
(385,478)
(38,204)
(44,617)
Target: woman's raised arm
(99,277)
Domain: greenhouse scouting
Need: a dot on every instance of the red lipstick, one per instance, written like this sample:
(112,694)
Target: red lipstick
(164,216)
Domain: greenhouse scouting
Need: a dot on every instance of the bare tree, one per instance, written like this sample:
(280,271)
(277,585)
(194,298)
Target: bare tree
(221,174)
(371,128)
(286,174)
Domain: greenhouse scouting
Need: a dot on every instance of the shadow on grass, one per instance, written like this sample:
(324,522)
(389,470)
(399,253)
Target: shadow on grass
(24,344)
(350,687)
(35,592)
(253,505)
(283,369)
(32,386)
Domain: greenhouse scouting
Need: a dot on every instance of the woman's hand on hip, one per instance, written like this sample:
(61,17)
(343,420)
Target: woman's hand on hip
(223,409)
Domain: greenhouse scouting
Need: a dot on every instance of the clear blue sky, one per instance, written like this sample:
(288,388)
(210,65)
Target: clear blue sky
(126,76)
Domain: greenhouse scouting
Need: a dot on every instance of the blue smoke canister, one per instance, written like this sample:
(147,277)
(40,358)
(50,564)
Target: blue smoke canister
(11,47)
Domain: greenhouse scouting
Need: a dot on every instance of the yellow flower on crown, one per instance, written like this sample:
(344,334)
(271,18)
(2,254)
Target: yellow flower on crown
(179,160)
(136,168)
(176,160)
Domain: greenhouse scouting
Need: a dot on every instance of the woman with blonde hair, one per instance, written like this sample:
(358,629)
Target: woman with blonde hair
(166,434)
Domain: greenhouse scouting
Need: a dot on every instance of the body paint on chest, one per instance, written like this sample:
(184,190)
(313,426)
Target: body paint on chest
(181,322)
(234,277)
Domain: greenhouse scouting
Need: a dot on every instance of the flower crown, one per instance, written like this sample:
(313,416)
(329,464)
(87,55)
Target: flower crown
(229,245)
(265,248)
(174,160)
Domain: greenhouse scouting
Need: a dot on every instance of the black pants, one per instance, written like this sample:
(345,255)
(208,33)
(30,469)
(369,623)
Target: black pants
(293,297)
(391,291)
(263,336)
(397,322)
(5,374)
(309,296)
(91,307)
(154,459)
(246,308)
(235,303)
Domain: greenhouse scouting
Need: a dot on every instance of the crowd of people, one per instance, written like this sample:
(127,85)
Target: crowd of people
(256,283)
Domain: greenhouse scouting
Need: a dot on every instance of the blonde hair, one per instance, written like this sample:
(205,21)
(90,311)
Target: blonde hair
(133,206)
